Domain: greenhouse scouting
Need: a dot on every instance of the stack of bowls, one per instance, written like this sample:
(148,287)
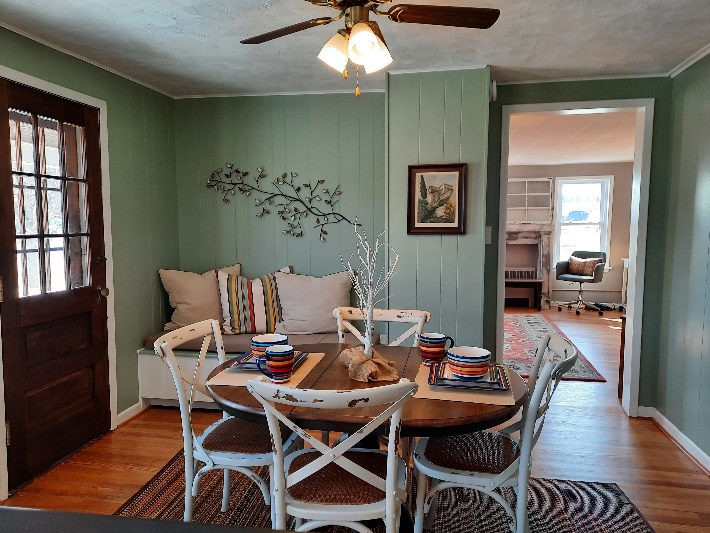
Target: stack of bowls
(468,362)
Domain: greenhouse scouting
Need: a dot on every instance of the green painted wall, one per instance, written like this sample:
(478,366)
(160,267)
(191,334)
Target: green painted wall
(439,117)
(143,199)
(579,91)
(335,137)
(683,386)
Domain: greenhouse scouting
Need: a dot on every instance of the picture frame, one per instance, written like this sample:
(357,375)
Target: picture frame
(436,200)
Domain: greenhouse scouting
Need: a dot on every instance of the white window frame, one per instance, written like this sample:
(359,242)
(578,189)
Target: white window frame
(607,183)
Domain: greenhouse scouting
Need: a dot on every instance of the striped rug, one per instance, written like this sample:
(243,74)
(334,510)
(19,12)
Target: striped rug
(555,506)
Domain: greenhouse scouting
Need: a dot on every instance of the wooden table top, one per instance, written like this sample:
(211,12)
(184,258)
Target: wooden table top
(422,417)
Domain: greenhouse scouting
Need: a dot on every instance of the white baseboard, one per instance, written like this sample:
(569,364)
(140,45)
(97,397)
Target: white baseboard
(687,445)
(129,413)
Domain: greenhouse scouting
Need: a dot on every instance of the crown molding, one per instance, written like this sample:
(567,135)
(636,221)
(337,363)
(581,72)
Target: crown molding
(591,78)
(697,56)
(80,57)
(436,69)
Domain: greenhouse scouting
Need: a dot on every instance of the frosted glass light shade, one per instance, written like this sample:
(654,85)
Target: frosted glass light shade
(379,59)
(362,44)
(335,52)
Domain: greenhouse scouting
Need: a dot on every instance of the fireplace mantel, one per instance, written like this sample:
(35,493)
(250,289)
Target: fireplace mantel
(539,235)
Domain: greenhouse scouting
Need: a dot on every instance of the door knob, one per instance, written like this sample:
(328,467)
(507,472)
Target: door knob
(103,291)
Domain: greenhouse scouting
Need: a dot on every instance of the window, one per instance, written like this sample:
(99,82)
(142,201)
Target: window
(49,184)
(583,215)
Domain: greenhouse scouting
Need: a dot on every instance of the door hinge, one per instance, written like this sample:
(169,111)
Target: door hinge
(7,433)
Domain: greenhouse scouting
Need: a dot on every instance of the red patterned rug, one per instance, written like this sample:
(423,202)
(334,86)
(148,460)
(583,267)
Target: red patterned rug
(521,336)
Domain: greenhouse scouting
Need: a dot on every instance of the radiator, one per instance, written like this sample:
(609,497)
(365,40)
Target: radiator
(520,273)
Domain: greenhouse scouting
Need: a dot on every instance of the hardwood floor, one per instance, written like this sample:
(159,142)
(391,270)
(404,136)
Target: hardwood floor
(587,437)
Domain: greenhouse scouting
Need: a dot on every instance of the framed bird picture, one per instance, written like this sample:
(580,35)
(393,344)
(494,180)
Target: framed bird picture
(436,200)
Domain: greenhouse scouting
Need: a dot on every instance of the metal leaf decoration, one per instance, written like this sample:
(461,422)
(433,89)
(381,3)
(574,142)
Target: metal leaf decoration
(292,201)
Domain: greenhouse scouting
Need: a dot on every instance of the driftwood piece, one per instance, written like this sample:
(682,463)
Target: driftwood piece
(363,368)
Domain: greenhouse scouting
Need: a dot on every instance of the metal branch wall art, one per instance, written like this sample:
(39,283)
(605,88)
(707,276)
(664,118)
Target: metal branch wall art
(292,201)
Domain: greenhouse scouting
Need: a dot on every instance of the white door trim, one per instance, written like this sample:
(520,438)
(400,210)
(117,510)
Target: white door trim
(637,244)
(37,83)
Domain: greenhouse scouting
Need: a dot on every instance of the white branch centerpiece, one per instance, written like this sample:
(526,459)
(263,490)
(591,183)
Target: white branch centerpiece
(369,281)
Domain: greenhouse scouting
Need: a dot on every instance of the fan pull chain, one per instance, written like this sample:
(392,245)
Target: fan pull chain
(357,80)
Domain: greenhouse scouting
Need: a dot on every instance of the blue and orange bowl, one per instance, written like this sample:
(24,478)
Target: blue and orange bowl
(259,343)
(468,362)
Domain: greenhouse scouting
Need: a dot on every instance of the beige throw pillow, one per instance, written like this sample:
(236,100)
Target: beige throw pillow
(307,302)
(194,297)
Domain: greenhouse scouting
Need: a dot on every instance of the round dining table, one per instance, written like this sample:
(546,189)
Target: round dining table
(423,417)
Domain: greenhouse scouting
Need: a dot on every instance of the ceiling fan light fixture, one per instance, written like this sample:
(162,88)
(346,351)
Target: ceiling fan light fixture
(379,59)
(363,43)
(335,52)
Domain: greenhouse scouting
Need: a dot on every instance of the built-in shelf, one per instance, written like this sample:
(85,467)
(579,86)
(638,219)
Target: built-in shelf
(530,200)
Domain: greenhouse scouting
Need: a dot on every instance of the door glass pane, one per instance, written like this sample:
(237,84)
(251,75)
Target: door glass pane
(76,206)
(53,205)
(78,264)
(54,263)
(49,147)
(74,151)
(22,151)
(25,200)
(28,267)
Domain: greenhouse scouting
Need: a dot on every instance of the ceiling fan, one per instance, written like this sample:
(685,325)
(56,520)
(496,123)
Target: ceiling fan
(362,42)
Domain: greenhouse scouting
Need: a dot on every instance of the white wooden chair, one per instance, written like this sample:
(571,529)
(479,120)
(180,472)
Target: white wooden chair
(344,316)
(486,460)
(228,444)
(341,485)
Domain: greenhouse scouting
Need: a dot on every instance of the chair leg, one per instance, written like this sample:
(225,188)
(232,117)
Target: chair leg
(421,493)
(189,475)
(225,490)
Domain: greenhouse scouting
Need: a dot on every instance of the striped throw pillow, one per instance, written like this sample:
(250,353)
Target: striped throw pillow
(583,267)
(249,305)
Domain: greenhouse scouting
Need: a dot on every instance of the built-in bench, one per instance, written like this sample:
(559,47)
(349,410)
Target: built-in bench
(156,385)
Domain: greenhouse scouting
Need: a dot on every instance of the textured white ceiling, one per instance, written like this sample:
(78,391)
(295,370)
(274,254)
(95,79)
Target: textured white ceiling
(191,47)
(555,138)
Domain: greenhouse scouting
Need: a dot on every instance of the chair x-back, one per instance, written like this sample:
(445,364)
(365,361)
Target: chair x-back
(487,460)
(344,316)
(338,485)
(228,444)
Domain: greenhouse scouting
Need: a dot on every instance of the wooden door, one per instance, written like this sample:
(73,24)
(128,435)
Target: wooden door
(53,271)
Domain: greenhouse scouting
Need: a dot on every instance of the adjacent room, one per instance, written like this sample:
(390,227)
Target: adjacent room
(334,265)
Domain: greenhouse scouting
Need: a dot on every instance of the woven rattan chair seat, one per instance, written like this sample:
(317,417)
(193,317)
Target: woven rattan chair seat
(235,435)
(484,451)
(333,485)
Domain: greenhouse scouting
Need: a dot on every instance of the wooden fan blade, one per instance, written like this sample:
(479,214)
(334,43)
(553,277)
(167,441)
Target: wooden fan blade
(288,30)
(462,17)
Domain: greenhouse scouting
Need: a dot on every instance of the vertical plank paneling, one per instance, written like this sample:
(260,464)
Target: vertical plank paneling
(323,154)
(222,152)
(449,243)
(448,281)
(403,139)
(208,201)
(259,155)
(297,147)
(431,150)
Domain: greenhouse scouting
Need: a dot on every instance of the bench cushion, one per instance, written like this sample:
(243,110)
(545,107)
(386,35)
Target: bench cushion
(241,343)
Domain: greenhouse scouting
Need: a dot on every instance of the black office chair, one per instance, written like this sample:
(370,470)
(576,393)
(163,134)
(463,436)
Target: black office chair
(580,270)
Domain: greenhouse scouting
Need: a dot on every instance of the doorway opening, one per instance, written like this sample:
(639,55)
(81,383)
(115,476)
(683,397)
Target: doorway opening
(575,176)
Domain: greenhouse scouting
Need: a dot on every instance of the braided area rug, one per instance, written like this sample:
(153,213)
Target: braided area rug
(555,506)
(521,335)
